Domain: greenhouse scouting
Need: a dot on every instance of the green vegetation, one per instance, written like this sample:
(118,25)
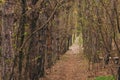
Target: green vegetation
(105,78)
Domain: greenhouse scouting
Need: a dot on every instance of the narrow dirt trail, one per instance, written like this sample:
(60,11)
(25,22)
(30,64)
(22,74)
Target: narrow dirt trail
(71,66)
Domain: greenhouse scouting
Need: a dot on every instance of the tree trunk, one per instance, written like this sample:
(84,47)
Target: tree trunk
(7,46)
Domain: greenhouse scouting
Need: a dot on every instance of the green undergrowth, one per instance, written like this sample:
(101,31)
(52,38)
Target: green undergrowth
(105,78)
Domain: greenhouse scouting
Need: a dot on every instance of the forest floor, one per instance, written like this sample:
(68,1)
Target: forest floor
(74,66)
(71,66)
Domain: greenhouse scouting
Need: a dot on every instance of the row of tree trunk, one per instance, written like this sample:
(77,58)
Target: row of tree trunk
(34,35)
(100,28)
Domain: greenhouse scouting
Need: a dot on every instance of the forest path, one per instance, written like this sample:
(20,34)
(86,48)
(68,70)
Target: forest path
(71,66)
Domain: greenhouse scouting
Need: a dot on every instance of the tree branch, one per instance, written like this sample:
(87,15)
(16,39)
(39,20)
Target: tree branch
(43,26)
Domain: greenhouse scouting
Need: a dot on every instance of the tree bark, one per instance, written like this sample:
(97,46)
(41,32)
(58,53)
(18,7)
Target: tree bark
(7,46)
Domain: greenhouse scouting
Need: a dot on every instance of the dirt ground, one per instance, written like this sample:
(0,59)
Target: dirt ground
(71,66)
